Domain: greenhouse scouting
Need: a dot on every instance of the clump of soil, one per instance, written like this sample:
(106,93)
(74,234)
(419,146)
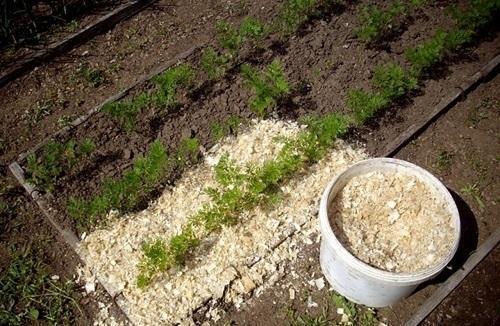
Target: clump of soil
(392,221)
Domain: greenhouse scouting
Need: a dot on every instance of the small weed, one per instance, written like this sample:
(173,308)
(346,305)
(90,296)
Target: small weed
(296,319)
(28,295)
(214,64)
(36,113)
(44,171)
(477,114)
(376,22)
(473,191)
(188,150)
(94,77)
(64,121)
(269,86)
(444,160)
(357,316)
(73,26)
(293,14)
(365,104)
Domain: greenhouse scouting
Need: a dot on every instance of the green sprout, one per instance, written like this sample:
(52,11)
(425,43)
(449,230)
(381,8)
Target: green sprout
(268,86)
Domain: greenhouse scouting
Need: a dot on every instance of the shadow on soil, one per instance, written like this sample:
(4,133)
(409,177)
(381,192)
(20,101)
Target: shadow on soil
(467,245)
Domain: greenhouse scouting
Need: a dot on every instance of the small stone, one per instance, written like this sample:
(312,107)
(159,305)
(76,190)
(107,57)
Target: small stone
(320,283)
(291,291)
(340,311)
(89,287)
(54,277)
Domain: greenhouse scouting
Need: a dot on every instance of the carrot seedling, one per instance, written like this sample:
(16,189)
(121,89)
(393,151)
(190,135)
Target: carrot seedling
(45,170)
(269,86)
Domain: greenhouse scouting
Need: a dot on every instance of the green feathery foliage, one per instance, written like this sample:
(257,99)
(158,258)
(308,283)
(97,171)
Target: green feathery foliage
(44,171)
(392,81)
(127,192)
(268,86)
(214,64)
(240,189)
(375,22)
(293,14)
(168,83)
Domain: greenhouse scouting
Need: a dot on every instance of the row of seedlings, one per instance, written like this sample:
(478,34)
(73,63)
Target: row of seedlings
(240,189)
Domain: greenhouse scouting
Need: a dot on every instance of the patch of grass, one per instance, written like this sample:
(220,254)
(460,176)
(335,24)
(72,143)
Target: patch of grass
(473,191)
(356,315)
(296,319)
(39,111)
(375,22)
(28,295)
(125,193)
(93,76)
(168,83)
(269,86)
(240,189)
(444,160)
(44,171)
(214,64)
(229,126)
(293,14)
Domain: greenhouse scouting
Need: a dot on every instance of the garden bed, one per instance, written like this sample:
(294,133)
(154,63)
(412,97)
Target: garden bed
(216,102)
(317,87)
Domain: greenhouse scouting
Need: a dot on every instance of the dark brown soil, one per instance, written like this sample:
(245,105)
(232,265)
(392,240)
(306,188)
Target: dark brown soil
(476,302)
(52,29)
(323,61)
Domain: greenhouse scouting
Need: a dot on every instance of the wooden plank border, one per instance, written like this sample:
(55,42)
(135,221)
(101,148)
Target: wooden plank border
(454,280)
(101,25)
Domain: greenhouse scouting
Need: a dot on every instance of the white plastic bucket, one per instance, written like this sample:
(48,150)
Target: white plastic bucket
(356,280)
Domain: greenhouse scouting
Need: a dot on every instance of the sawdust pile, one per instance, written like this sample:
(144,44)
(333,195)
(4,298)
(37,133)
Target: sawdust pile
(230,264)
(393,221)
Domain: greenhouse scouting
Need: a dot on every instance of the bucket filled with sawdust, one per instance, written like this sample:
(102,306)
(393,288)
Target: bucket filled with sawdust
(387,226)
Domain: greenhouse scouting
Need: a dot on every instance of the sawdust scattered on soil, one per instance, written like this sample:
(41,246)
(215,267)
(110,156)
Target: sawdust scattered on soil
(239,260)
